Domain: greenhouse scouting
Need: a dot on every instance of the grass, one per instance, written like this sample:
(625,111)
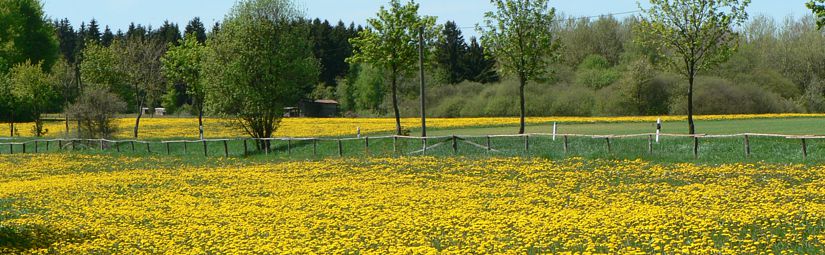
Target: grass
(669,149)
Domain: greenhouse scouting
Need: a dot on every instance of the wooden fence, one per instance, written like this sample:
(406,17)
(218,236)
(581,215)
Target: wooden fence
(482,142)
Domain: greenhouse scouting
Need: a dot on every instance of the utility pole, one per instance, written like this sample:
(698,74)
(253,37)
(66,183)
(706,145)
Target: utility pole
(421,78)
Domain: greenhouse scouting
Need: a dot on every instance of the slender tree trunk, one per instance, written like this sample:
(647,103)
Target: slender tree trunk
(691,128)
(11,120)
(395,105)
(140,114)
(522,82)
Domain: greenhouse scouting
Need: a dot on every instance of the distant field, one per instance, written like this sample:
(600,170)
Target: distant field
(160,128)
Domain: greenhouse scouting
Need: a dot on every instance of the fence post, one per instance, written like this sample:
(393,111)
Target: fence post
(747,147)
(314,147)
(148,147)
(133,145)
(394,144)
(527,143)
(424,142)
(101,144)
(185,150)
(288,146)
(367,146)
(117,146)
(695,146)
(74,142)
(489,146)
(24,147)
(565,144)
(455,145)
(804,149)
(205,153)
(225,149)
(168,152)
(11,148)
(60,144)
(35,146)
(245,148)
(607,139)
(650,144)
(47,145)
(340,149)
(266,146)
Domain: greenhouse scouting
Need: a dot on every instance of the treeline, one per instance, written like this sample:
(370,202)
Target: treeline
(46,66)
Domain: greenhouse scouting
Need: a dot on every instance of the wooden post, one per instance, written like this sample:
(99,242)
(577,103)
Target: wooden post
(394,144)
(314,147)
(804,149)
(225,149)
(133,145)
(24,147)
(289,146)
(101,144)
(148,147)
(367,146)
(527,143)
(266,146)
(245,148)
(650,144)
(695,147)
(74,142)
(35,146)
(185,150)
(117,146)
(205,153)
(607,139)
(565,144)
(47,145)
(747,147)
(455,145)
(424,143)
(60,144)
(340,148)
(11,148)
(489,146)
(168,152)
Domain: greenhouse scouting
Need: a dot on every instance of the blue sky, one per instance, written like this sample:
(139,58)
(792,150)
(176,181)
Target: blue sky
(119,13)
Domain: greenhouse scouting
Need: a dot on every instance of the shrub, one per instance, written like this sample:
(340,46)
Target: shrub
(95,111)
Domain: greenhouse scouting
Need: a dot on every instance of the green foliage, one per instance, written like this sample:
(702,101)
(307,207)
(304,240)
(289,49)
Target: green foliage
(818,10)
(32,89)
(518,34)
(183,64)
(391,43)
(246,78)
(595,72)
(322,91)
(639,92)
(719,96)
(26,35)
(369,89)
(101,69)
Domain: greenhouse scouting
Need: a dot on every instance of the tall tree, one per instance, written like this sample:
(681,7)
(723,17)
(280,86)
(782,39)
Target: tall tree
(519,34)
(692,35)
(140,61)
(67,39)
(168,33)
(250,81)
(182,64)
(479,65)
(195,28)
(107,38)
(391,43)
(93,32)
(33,90)
(450,51)
(26,35)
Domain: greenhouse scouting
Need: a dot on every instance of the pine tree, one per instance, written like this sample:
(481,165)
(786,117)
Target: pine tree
(93,32)
(196,28)
(480,65)
(107,37)
(168,33)
(67,39)
(450,51)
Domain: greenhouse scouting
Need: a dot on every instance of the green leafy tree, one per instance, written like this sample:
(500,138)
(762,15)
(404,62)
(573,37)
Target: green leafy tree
(692,35)
(183,63)
(391,43)
(259,63)
(26,35)
(519,34)
(139,59)
(101,69)
(32,88)
(818,10)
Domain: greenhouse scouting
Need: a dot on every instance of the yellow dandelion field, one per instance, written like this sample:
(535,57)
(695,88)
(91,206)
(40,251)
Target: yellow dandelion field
(84,204)
(321,127)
